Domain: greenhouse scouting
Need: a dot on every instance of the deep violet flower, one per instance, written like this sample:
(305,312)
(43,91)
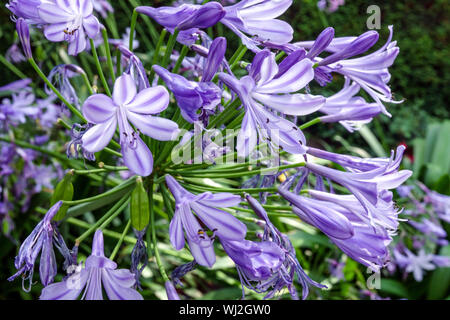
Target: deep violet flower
(99,273)
(69,21)
(24,36)
(269,85)
(39,241)
(171,291)
(221,223)
(190,95)
(126,105)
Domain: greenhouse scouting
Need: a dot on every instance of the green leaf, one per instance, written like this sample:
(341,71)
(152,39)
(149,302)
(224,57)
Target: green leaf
(439,284)
(443,185)
(140,210)
(394,287)
(441,152)
(419,155)
(63,191)
(223,294)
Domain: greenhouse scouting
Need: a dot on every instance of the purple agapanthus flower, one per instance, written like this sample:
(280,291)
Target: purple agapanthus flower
(60,77)
(16,86)
(205,205)
(355,237)
(15,111)
(285,275)
(69,21)
(27,9)
(270,86)
(133,66)
(24,36)
(39,241)
(99,273)
(416,264)
(349,110)
(369,181)
(190,95)
(126,105)
(257,18)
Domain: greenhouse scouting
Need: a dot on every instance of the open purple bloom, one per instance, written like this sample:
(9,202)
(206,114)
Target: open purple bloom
(257,18)
(190,95)
(126,105)
(415,264)
(270,86)
(69,21)
(39,241)
(285,275)
(99,273)
(205,205)
(103,7)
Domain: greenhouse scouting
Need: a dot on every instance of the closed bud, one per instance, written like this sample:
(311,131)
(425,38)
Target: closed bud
(140,211)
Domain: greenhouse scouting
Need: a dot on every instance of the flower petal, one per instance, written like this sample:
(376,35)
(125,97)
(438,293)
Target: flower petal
(158,128)
(297,77)
(150,101)
(99,136)
(176,232)
(69,289)
(51,13)
(98,108)
(138,159)
(124,90)
(292,104)
(91,26)
(115,286)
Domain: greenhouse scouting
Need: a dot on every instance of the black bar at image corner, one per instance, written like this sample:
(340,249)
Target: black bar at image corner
(221,309)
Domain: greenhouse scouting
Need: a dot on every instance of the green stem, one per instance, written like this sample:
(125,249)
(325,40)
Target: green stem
(183,54)
(169,48)
(157,52)
(132,28)
(119,243)
(126,184)
(310,123)
(52,87)
(152,224)
(99,68)
(12,67)
(94,227)
(108,55)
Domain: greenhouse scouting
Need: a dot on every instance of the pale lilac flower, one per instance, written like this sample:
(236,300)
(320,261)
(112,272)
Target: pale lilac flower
(431,229)
(415,264)
(15,111)
(14,54)
(205,205)
(369,186)
(99,273)
(69,21)
(271,86)
(16,86)
(39,241)
(126,105)
(258,18)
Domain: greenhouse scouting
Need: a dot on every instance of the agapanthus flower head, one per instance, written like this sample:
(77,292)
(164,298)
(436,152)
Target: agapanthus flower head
(205,205)
(126,105)
(69,21)
(98,273)
(39,241)
(269,86)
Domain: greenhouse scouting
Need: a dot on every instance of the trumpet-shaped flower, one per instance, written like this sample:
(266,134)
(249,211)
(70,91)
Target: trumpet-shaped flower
(99,272)
(128,105)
